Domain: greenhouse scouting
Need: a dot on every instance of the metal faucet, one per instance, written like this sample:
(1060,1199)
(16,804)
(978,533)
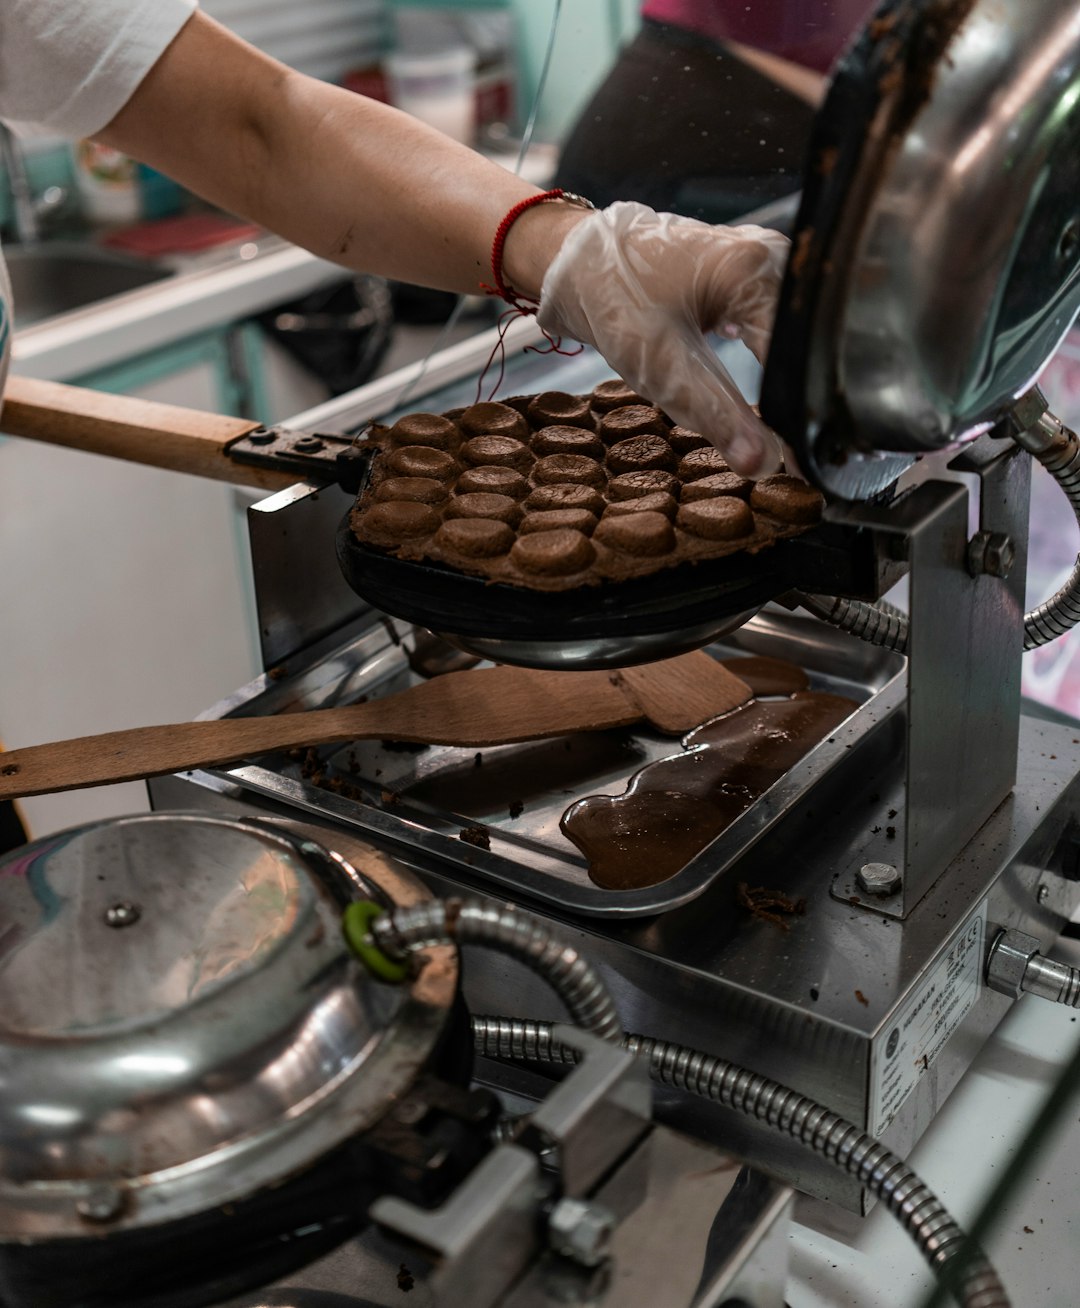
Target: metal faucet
(27,211)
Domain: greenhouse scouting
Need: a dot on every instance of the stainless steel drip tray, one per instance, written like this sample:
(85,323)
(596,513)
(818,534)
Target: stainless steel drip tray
(421,799)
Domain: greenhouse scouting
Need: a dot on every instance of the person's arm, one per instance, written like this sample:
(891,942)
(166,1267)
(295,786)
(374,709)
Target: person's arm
(348,178)
(377,191)
(805,83)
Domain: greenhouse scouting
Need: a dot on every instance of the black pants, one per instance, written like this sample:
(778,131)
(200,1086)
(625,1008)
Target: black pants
(682,125)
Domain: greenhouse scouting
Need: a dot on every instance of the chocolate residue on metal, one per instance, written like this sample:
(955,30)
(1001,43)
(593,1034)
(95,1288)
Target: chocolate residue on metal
(476,835)
(676,806)
(768,904)
(936,27)
(768,676)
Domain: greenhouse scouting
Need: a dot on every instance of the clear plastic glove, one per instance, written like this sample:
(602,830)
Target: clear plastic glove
(644,287)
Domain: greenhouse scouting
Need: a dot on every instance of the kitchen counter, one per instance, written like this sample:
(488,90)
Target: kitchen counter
(206,291)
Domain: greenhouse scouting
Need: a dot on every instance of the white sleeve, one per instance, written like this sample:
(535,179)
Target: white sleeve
(69,66)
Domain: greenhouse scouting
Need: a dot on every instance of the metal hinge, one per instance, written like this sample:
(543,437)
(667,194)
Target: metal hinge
(313,455)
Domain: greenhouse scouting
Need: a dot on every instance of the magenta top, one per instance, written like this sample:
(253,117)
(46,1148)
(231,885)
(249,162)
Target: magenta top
(808,32)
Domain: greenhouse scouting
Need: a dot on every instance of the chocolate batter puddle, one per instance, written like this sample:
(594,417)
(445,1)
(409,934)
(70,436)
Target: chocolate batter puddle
(674,807)
(766,676)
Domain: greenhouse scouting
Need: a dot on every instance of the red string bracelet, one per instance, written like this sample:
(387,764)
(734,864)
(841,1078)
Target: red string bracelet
(525,305)
(520,306)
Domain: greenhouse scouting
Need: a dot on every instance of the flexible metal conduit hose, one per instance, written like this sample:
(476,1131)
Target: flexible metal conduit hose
(510,931)
(939,1239)
(1057,448)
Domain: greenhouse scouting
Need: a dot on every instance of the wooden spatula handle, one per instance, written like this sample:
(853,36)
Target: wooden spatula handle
(141,431)
(492,706)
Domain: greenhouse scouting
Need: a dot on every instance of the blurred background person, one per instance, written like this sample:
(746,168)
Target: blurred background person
(707,111)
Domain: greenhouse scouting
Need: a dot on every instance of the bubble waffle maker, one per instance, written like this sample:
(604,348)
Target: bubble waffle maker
(935,267)
(935,260)
(611,623)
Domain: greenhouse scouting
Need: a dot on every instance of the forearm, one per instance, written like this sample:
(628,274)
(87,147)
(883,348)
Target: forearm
(805,83)
(345,177)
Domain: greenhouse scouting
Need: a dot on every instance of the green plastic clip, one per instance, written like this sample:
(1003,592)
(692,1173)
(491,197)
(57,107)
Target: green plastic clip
(356,928)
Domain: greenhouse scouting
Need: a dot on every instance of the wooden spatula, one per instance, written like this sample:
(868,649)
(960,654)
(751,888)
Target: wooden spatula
(475,708)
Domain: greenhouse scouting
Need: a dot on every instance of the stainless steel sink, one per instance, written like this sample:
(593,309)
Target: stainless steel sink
(58,276)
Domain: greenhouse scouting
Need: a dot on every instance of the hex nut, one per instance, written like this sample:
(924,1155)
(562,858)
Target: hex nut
(991,554)
(581,1231)
(1008,960)
(879,879)
(1027,410)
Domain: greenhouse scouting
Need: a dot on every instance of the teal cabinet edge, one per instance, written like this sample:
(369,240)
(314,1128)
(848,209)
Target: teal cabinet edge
(230,351)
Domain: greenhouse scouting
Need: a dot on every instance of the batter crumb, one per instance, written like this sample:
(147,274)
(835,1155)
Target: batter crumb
(477,835)
(768,904)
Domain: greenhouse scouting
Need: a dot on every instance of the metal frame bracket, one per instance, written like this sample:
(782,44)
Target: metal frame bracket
(312,455)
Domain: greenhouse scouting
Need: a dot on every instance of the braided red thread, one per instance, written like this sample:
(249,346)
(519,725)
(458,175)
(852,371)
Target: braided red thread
(523,307)
(500,288)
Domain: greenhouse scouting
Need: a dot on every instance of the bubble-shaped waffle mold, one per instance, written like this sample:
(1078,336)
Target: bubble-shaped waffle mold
(555,491)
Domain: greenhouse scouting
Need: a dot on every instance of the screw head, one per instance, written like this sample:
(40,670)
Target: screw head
(307,444)
(878,879)
(262,436)
(101,1203)
(122,914)
(581,1231)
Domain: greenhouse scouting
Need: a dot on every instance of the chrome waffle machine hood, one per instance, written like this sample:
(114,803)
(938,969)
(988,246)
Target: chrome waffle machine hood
(936,255)
(936,829)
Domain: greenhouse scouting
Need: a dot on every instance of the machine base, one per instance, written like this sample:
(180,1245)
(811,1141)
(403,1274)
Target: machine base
(814,1006)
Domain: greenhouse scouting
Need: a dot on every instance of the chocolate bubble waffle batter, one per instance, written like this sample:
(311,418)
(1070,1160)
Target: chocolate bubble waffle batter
(674,807)
(555,491)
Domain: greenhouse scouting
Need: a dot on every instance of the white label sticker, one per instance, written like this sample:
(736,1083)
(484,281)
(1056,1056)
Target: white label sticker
(924,1023)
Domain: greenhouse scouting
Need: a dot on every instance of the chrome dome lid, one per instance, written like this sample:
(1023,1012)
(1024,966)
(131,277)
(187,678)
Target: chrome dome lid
(936,255)
(180,1022)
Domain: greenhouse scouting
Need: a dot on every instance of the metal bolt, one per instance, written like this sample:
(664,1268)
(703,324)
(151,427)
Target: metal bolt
(307,444)
(1068,246)
(990,553)
(1042,894)
(102,1203)
(122,914)
(878,879)
(581,1231)
(1027,410)
(262,436)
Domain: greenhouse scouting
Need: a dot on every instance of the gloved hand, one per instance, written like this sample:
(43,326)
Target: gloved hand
(643,287)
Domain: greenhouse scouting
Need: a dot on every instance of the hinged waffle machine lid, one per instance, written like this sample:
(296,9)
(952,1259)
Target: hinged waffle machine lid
(935,264)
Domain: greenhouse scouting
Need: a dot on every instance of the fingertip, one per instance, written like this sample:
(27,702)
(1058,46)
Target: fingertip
(754,453)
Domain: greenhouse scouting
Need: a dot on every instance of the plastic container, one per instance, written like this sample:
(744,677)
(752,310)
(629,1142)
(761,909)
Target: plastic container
(438,87)
(106,179)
